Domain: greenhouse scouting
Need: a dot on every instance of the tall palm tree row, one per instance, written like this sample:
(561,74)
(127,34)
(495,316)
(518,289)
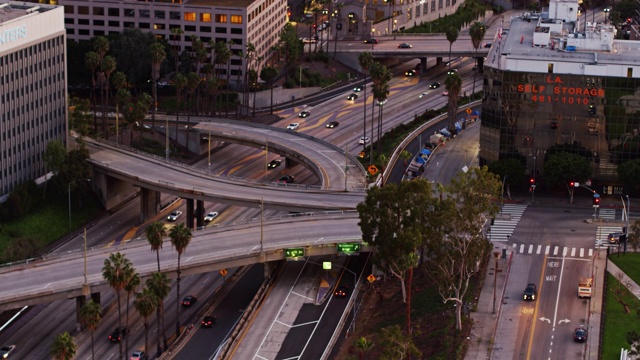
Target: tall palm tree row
(365,59)
(452,36)
(158,55)
(119,81)
(108,67)
(90,317)
(155,233)
(101,47)
(63,347)
(160,285)
(180,238)
(477,31)
(133,281)
(145,303)
(117,271)
(381,77)
(453,84)
(222,57)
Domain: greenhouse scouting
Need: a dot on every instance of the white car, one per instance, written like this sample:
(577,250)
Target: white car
(210,216)
(138,355)
(7,350)
(363,140)
(174,215)
(293,126)
(381,103)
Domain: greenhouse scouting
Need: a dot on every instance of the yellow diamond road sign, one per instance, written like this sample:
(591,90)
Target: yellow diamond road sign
(372,169)
(371,278)
(468,111)
(223,272)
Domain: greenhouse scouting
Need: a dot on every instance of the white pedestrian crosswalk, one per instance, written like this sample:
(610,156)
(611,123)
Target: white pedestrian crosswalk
(602,235)
(553,250)
(501,230)
(609,214)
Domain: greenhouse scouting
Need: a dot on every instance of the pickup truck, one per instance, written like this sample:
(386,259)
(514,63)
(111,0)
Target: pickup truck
(585,287)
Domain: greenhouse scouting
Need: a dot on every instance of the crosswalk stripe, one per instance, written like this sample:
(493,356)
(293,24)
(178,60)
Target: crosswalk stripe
(564,252)
(590,252)
(573,252)
(555,251)
(521,248)
(501,230)
(568,252)
(546,250)
(530,248)
(538,250)
(581,252)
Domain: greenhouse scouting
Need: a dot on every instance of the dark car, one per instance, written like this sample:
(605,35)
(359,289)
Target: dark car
(452,71)
(487,45)
(6,351)
(304,114)
(209,321)
(404,46)
(614,238)
(371,41)
(530,292)
(410,73)
(341,291)
(357,89)
(352,97)
(118,334)
(434,85)
(273,164)
(580,335)
(287,179)
(188,300)
(332,124)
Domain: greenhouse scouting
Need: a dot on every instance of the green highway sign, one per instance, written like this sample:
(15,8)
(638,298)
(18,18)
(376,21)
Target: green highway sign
(349,248)
(294,253)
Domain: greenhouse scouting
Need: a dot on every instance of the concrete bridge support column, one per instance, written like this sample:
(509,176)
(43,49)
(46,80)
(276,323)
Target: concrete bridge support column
(149,204)
(480,62)
(269,266)
(199,213)
(80,301)
(423,64)
(438,60)
(190,211)
(95,297)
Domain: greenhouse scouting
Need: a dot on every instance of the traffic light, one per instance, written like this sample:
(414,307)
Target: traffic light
(592,109)
(596,201)
(628,20)
(532,181)
(572,183)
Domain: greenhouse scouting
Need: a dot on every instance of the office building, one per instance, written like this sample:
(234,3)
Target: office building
(552,80)
(33,82)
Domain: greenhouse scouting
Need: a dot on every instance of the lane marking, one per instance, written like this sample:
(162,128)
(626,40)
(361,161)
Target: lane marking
(535,311)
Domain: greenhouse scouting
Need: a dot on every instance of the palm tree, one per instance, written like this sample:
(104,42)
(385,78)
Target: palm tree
(381,77)
(452,36)
(63,347)
(229,45)
(90,316)
(180,237)
(363,345)
(193,81)
(119,81)
(157,57)
(365,59)
(176,34)
(130,287)
(92,62)
(180,82)
(108,67)
(116,270)
(405,155)
(223,54)
(155,232)
(268,75)
(477,31)
(145,303)
(453,84)
(159,286)
(101,47)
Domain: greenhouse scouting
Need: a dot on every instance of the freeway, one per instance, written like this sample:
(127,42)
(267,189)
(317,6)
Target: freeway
(422,46)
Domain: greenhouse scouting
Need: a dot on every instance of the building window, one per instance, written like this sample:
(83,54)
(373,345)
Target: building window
(221,18)
(447,3)
(144,26)
(145,14)
(98,11)
(629,72)
(158,26)
(98,33)
(129,24)
(221,30)
(550,68)
(236,19)
(236,31)
(433,5)
(68,10)
(114,12)
(69,21)
(205,17)
(83,10)
(425,8)
(205,29)
(98,22)
(159,14)
(83,32)
(439,4)
(190,28)
(114,23)
(174,15)
(129,13)
(189,16)
(417,10)
(83,21)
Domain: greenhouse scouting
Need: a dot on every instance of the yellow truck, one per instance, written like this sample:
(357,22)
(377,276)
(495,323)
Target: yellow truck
(585,287)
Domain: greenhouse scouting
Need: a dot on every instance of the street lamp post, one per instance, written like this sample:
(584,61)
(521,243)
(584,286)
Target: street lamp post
(300,76)
(395,23)
(69,192)
(496,256)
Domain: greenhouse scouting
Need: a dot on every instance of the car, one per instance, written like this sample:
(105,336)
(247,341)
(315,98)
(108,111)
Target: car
(332,124)
(138,355)
(410,73)
(341,291)
(352,97)
(188,300)
(554,125)
(487,45)
(404,46)
(423,95)
(580,335)
(445,93)
(7,350)
(304,114)
(452,71)
(371,41)
(210,216)
(174,215)
(274,164)
(118,334)
(614,238)
(209,321)
(418,67)
(287,179)
(434,85)
(363,140)
(309,41)
(293,126)
(357,89)
(381,103)
(530,292)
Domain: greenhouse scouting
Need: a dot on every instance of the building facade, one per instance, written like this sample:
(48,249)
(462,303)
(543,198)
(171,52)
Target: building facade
(241,21)
(33,80)
(553,83)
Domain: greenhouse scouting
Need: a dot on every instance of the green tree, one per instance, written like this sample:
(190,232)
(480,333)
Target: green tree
(222,57)
(80,115)
(193,82)
(63,347)
(455,252)
(362,345)
(290,46)
(633,236)
(477,31)
(158,55)
(180,238)
(562,167)
(90,316)
(179,82)
(405,155)
(54,156)
(511,170)
(452,36)
(119,81)
(365,59)
(155,233)
(108,66)
(145,304)
(133,281)
(629,173)
(397,346)
(117,271)
(159,284)
(92,62)
(453,85)
(269,75)
(381,77)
